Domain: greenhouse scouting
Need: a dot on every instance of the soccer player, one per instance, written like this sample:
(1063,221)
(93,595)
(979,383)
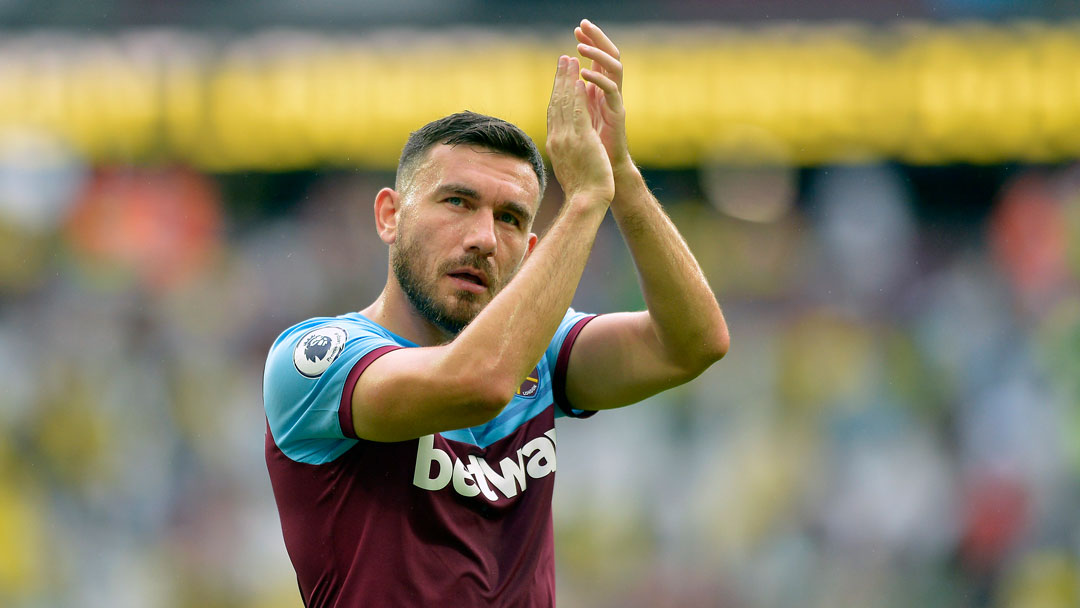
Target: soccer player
(411,445)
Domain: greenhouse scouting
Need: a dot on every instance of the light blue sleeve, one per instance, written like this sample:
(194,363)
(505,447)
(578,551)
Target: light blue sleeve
(557,356)
(307,372)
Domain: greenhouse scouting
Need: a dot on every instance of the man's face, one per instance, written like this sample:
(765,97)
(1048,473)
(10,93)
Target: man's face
(463,231)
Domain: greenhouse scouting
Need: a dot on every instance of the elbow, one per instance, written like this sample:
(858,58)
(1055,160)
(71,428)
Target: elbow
(717,340)
(478,406)
(476,387)
(487,394)
(712,340)
(709,350)
(491,400)
(717,348)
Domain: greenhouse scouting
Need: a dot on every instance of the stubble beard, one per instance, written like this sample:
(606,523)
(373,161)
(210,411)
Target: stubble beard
(405,261)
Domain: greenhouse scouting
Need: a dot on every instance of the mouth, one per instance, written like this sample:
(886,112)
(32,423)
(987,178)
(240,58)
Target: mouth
(469,279)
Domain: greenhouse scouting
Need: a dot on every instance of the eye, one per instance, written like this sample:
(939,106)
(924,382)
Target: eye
(456,201)
(509,218)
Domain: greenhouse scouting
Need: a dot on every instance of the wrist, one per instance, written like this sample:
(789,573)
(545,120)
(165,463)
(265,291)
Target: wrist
(587,199)
(630,185)
(625,171)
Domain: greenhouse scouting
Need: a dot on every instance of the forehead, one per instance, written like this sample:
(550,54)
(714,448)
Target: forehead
(492,174)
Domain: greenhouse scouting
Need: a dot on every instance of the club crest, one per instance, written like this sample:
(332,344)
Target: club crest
(317,349)
(531,385)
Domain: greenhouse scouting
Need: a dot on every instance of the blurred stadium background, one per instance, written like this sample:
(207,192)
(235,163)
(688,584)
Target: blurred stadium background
(884,195)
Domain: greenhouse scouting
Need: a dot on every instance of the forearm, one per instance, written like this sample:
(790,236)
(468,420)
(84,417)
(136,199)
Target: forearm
(512,332)
(508,338)
(684,312)
(415,391)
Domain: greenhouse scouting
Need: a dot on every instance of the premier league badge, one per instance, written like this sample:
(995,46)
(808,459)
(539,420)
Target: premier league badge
(317,349)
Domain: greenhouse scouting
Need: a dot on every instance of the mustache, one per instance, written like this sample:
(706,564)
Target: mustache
(472,260)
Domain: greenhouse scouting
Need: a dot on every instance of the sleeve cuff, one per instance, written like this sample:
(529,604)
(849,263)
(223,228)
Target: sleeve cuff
(345,417)
(558,380)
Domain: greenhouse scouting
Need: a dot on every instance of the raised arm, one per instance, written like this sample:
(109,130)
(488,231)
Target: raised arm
(412,392)
(622,358)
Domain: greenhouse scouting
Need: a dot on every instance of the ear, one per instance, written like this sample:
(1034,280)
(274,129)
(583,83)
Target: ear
(387,213)
(532,244)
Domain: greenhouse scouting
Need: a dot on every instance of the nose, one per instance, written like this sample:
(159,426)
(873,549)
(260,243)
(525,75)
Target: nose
(480,237)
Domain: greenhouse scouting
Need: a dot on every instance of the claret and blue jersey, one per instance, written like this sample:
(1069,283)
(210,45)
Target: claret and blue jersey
(463,514)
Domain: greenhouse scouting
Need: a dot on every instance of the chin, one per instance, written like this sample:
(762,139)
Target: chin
(465,309)
(465,312)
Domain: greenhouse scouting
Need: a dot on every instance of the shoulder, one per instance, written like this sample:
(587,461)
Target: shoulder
(315,343)
(306,375)
(347,326)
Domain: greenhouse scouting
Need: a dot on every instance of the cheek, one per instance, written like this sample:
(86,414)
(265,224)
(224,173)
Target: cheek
(515,254)
(412,252)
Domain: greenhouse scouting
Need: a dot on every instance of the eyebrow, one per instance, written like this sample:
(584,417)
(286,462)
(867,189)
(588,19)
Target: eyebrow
(521,210)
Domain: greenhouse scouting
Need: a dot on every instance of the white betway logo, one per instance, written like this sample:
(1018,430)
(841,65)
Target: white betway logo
(535,459)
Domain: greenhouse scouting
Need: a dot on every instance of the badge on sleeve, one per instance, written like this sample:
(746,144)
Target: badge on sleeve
(317,349)
(531,383)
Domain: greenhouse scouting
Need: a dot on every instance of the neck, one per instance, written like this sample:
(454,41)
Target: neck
(393,311)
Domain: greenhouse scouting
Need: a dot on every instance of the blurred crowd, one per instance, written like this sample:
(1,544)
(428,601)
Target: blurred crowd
(896,423)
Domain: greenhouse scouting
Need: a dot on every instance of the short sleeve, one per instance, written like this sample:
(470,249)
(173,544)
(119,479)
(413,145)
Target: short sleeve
(558,358)
(307,384)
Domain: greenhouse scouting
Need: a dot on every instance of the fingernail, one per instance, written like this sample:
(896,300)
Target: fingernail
(562,61)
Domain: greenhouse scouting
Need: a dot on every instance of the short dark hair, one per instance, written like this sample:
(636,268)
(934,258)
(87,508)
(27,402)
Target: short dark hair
(471,129)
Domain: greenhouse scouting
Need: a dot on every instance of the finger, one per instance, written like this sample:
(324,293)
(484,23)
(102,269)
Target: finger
(554,93)
(583,38)
(612,96)
(582,118)
(611,66)
(561,92)
(569,90)
(598,36)
(556,105)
